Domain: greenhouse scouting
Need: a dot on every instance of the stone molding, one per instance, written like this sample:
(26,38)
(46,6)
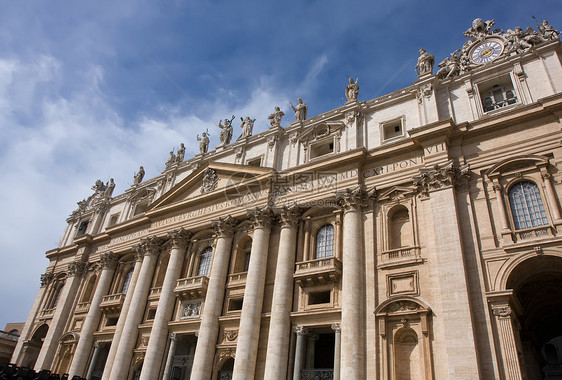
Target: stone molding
(46,279)
(224,227)
(109,260)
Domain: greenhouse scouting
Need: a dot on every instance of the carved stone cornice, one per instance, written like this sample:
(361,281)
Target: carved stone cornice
(300,330)
(224,227)
(261,217)
(46,279)
(289,216)
(109,260)
(352,199)
(77,268)
(441,176)
(179,238)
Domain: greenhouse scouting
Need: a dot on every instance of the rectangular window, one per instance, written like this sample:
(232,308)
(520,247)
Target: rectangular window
(113,219)
(254,162)
(497,94)
(235,304)
(82,228)
(322,149)
(392,129)
(316,298)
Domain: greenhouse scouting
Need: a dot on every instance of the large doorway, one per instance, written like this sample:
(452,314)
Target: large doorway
(33,346)
(537,286)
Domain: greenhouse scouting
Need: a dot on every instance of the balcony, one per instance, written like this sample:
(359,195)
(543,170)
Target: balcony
(317,374)
(112,303)
(237,279)
(318,272)
(82,307)
(192,287)
(46,313)
(534,233)
(154,294)
(400,256)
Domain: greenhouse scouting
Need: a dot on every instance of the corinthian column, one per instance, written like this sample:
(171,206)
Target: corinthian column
(250,318)
(45,281)
(280,322)
(158,334)
(108,263)
(66,299)
(151,248)
(123,315)
(209,328)
(352,315)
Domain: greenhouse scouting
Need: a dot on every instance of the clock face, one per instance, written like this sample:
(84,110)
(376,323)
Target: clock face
(486,51)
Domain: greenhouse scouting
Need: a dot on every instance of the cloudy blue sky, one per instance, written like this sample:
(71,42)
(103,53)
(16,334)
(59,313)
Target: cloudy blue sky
(94,89)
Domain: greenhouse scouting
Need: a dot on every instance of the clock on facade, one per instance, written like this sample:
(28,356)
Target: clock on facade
(486,51)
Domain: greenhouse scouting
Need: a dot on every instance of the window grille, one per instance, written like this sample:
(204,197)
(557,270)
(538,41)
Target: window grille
(205,262)
(127,282)
(324,242)
(526,206)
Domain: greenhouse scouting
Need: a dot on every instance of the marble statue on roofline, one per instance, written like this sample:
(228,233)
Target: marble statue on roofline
(138,176)
(548,32)
(226,131)
(352,90)
(300,110)
(247,126)
(109,188)
(203,143)
(425,63)
(171,160)
(181,154)
(276,117)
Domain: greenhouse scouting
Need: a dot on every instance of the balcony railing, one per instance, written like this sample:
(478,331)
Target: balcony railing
(154,293)
(317,374)
(237,279)
(83,307)
(532,233)
(192,287)
(318,271)
(112,303)
(46,313)
(400,256)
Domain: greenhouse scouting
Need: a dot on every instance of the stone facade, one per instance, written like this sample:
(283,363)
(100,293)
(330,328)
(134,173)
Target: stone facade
(412,236)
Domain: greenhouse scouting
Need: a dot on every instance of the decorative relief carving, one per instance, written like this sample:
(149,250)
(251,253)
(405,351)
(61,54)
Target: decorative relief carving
(272,140)
(352,199)
(229,352)
(191,310)
(224,226)
(138,252)
(261,217)
(294,137)
(144,340)
(402,306)
(210,181)
(179,238)
(441,176)
(425,91)
(502,311)
(300,330)
(336,327)
(151,245)
(239,152)
(109,260)
(229,336)
(77,268)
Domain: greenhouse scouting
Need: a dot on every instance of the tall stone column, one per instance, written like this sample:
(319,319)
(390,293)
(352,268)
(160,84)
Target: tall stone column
(498,190)
(508,346)
(551,195)
(250,318)
(123,315)
(158,334)
(170,358)
(337,350)
(66,299)
(108,263)
(209,328)
(151,247)
(27,328)
(299,351)
(353,299)
(97,347)
(280,322)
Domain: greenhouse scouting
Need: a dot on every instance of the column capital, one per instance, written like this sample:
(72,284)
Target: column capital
(336,327)
(224,227)
(151,245)
(138,252)
(503,311)
(261,217)
(46,279)
(108,260)
(77,268)
(179,238)
(300,330)
(441,176)
(290,216)
(352,199)
(97,344)
(174,337)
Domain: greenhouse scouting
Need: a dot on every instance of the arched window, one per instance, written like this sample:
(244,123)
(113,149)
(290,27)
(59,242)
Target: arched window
(324,242)
(57,297)
(127,282)
(205,262)
(526,206)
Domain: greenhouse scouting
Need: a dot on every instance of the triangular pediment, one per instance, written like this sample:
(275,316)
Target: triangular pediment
(217,180)
(395,192)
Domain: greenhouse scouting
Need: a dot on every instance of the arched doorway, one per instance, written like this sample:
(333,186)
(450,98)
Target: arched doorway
(537,290)
(225,372)
(33,346)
